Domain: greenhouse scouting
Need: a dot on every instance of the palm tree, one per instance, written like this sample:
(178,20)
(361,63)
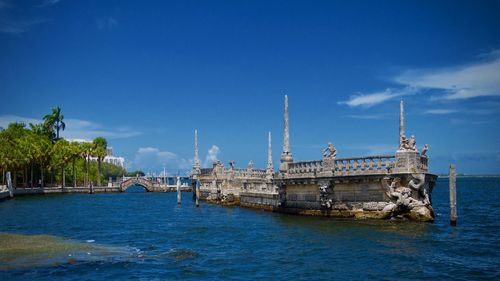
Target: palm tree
(75,151)
(86,153)
(61,156)
(42,153)
(100,151)
(54,121)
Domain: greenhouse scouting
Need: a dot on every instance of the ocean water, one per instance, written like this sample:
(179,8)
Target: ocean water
(147,236)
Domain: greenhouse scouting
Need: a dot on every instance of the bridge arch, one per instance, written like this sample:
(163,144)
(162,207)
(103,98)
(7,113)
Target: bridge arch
(147,184)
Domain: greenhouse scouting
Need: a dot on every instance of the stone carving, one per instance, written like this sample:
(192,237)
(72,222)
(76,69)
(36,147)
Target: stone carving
(325,192)
(250,165)
(330,151)
(231,164)
(403,200)
(424,150)
(408,144)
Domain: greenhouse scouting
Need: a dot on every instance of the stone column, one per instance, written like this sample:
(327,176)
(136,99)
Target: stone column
(286,155)
(178,190)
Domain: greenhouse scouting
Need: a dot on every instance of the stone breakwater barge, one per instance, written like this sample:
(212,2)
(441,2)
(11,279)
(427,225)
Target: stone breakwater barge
(379,187)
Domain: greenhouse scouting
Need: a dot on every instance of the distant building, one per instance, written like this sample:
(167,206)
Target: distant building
(115,160)
(109,158)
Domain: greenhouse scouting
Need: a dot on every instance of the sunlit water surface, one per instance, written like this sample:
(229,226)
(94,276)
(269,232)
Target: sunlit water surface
(147,236)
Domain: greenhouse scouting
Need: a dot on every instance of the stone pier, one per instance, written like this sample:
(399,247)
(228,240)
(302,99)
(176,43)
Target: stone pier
(377,186)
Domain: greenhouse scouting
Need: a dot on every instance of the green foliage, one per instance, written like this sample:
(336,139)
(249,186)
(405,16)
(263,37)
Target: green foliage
(54,122)
(36,153)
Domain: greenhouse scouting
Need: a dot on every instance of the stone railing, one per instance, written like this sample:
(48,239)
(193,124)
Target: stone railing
(305,167)
(378,164)
(245,173)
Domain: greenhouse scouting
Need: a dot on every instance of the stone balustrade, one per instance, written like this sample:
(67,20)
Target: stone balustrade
(378,164)
(305,167)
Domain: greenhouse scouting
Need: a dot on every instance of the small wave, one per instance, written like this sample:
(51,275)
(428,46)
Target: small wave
(182,254)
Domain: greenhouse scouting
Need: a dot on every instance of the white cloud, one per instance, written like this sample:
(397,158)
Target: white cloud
(368,100)
(152,159)
(460,82)
(211,155)
(76,128)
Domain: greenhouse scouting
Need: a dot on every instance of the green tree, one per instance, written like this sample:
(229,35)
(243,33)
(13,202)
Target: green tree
(87,149)
(42,154)
(54,122)
(76,150)
(61,155)
(100,151)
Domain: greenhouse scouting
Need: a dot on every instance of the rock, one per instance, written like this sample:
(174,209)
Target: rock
(422,213)
(370,206)
(389,208)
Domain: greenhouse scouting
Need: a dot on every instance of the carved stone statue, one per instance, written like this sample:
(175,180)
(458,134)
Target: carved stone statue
(250,165)
(231,164)
(330,151)
(424,150)
(408,144)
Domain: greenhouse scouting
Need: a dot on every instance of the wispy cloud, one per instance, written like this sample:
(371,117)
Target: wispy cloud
(152,159)
(77,128)
(365,116)
(46,3)
(440,111)
(20,26)
(212,154)
(459,82)
(18,18)
(106,23)
(371,99)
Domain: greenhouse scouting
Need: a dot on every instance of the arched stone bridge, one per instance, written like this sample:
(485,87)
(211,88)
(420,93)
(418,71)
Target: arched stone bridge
(147,184)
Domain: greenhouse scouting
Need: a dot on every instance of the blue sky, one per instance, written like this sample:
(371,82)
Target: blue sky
(145,74)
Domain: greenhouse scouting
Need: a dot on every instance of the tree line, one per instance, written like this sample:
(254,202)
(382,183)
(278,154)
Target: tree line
(37,156)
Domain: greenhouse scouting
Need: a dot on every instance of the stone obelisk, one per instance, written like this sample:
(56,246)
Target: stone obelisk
(270,168)
(286,155)
(196,165)
(401,122)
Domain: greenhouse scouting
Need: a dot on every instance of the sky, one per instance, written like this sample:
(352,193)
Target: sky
(146,74)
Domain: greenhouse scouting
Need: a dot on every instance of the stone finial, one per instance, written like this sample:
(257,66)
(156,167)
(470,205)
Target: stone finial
(196,166)
(270,168)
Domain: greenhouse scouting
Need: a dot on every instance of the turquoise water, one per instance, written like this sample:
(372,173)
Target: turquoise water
(146,236)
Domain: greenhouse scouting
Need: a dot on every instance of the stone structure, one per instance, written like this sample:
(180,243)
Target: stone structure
(379,186)
(150,185)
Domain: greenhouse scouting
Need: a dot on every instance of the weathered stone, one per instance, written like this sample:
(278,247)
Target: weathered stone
(422,213)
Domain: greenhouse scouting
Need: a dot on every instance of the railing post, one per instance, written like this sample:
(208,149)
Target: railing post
(197,193)
(9,185)
(178,190)
(453,195)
